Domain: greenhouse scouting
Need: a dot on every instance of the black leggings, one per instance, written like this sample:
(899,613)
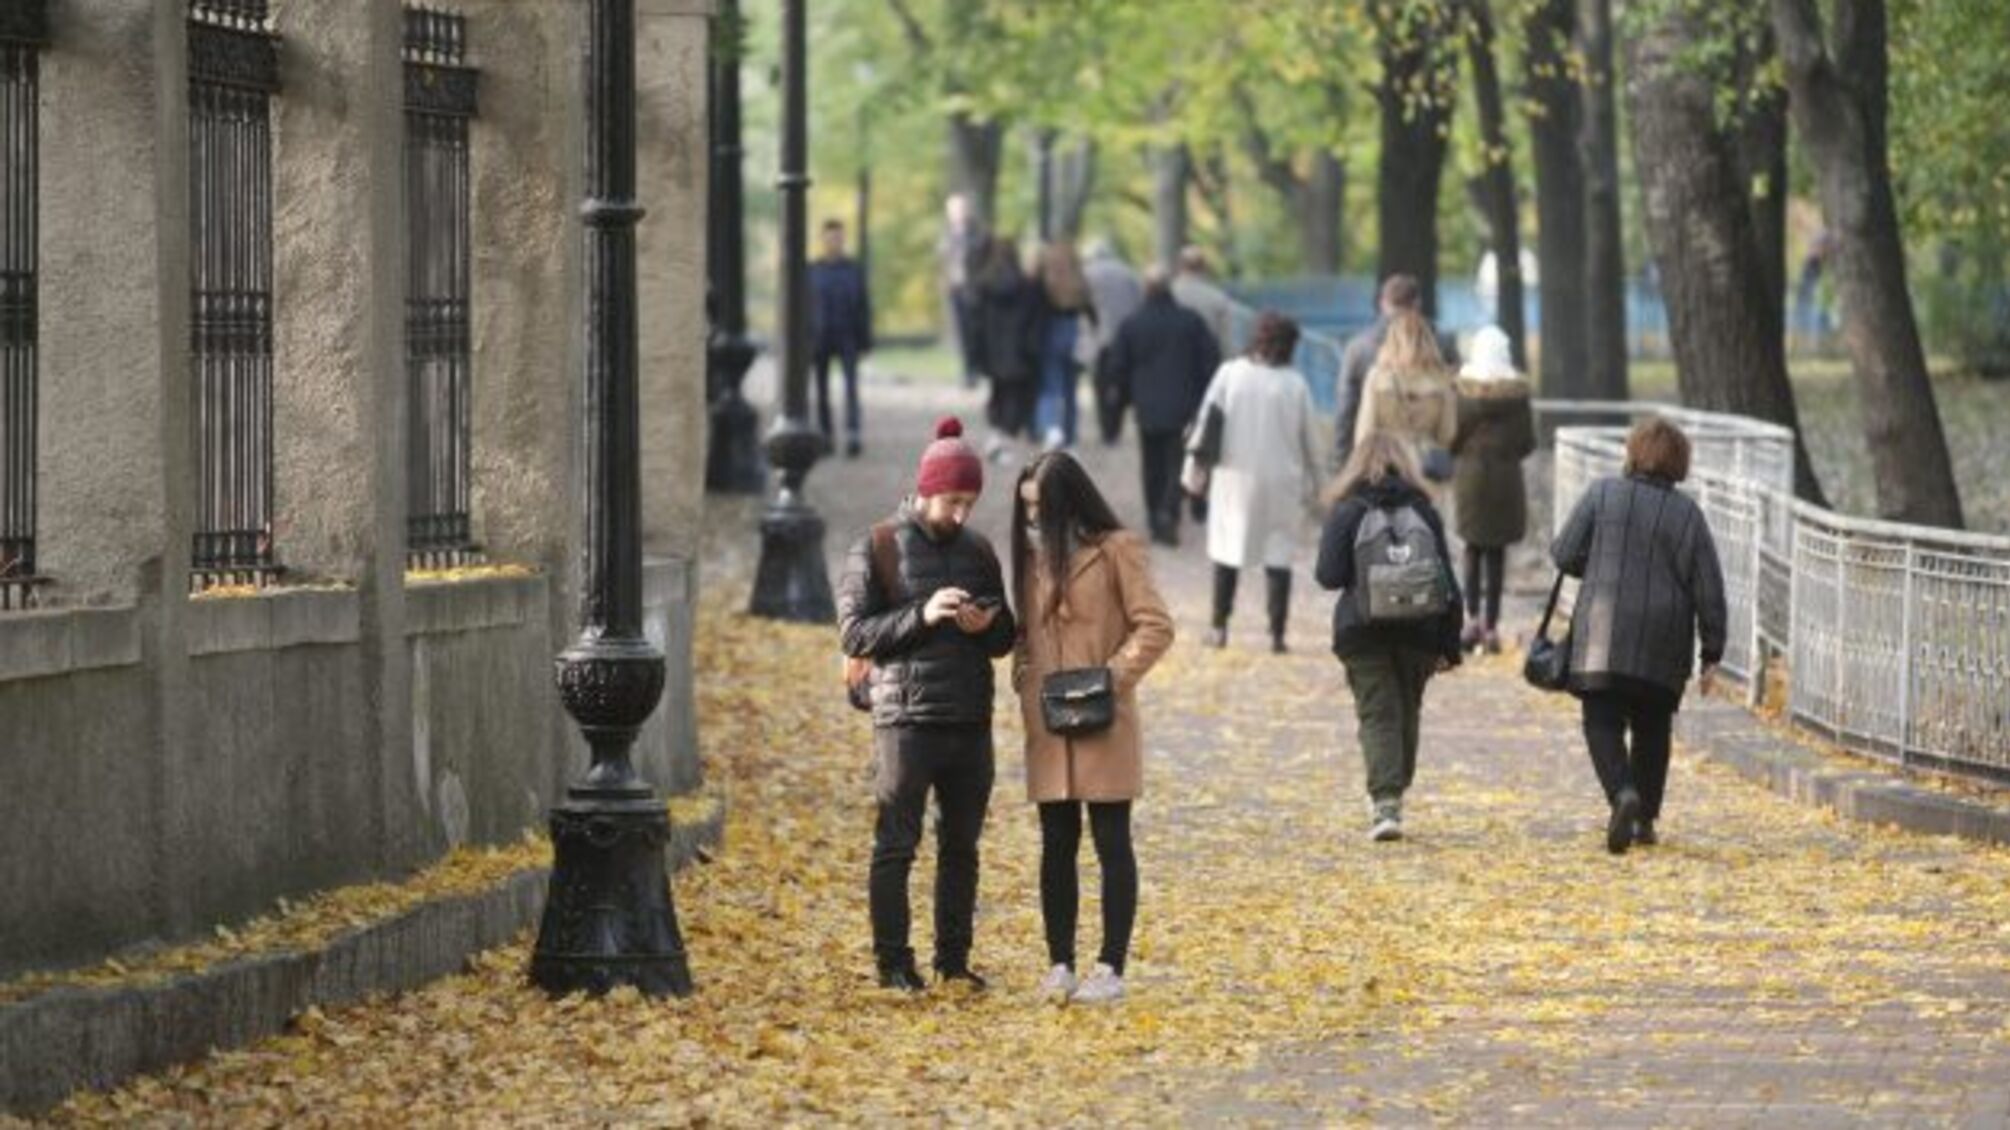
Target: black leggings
(1060,887)
(1610,717)
(1486,572)
(1277,595)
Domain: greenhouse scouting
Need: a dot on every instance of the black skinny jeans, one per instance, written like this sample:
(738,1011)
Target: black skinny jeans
(1608,716)
(955,761)
(1486,575)
(1277,595)
(1060,887)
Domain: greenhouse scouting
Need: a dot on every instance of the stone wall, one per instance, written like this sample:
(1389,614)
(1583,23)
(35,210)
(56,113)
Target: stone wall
(173,762)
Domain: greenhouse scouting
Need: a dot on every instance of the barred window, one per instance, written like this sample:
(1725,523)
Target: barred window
(23,31)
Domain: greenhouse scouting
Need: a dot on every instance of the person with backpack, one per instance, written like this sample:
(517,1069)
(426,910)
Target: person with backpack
(1091,625)
(923,598)
(1398,617)
(1652,600)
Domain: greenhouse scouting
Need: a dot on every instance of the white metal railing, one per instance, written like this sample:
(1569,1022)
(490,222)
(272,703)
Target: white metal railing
(1896,638)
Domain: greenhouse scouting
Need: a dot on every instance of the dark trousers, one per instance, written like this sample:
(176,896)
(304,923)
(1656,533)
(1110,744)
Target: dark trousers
(1609,717)
(966,332)
(1010,409)
(1161,459)
(1110,402)
(956,762)
(1388,685)
(1277,585)
(847,359)
(1060,887)
(1486,575)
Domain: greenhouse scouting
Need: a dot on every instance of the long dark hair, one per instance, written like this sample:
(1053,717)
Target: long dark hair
(1072,512)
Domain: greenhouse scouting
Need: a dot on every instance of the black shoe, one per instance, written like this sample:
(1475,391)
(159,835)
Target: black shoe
(962,975)
(852,448)
(1619,829)
(1217,637)
(903,977)
(1277,644)
(1643,833)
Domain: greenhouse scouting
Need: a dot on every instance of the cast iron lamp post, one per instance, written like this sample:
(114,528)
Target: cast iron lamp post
(733,459)
(609,919)
(791,583)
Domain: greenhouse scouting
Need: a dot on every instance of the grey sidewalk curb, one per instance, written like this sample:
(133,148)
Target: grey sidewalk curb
(70,1038)
(1730,735)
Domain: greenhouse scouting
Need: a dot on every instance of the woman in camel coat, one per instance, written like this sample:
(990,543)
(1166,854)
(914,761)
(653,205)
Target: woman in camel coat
(1086,598)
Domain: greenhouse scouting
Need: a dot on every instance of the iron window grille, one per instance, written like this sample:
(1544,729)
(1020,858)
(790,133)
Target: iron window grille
(233,75)
(439,104)
(24,30)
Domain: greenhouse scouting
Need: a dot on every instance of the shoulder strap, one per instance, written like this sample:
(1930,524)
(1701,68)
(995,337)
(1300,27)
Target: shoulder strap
(886,561)
(1549,610)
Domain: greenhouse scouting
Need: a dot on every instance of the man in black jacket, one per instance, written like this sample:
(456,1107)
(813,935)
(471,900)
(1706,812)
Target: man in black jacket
(1161,360)
(931,626)
(841,325)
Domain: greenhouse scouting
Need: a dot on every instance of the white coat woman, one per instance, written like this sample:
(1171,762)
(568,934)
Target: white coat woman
(1263,481)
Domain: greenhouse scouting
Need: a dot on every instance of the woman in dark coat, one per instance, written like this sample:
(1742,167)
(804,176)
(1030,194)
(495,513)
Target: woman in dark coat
(1496,432)
(1652,589)
(1004,340)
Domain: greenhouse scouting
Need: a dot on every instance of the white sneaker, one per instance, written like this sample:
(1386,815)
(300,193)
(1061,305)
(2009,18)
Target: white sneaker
(1102,986)
(1059,984)
(1386,821)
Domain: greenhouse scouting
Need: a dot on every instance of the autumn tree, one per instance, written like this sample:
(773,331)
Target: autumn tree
(1415,41)
(1496,187)
(1554,108)
(1838,86)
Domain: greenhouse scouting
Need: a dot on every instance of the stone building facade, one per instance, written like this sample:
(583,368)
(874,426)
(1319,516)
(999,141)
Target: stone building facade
(170,757)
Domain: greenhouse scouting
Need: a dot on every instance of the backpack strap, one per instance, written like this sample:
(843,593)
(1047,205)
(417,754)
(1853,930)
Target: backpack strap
(886,561)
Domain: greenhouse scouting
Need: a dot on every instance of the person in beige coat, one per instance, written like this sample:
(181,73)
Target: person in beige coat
(1409,394)
(1084,588)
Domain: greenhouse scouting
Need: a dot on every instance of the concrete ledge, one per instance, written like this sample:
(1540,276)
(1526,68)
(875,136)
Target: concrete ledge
(274,620)
(66,1039)
(1728,734)
(35,645)
(441,607)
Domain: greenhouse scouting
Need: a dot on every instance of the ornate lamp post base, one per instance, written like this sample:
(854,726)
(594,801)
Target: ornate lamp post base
(609,921)
(791,582)
(733,463)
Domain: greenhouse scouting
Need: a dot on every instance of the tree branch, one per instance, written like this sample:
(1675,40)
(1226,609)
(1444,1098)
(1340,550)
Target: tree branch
(917,36)
(1274,170)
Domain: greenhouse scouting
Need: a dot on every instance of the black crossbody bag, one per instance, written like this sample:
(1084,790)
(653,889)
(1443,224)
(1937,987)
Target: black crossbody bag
(1078,701)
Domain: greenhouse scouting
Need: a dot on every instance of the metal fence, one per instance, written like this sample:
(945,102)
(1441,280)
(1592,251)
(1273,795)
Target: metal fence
(439,104)
(1894,639)
(233,74)
(23,29)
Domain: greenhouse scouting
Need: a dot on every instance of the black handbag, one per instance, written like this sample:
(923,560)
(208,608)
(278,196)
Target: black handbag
(1548,664)
(1078,700)
(1203,439)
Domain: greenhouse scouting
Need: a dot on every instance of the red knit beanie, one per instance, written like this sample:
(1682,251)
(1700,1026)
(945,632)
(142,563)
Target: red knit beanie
(950,465)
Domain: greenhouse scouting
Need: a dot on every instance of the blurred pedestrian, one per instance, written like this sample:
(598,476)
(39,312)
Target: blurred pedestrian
(1087,604)
(1115,291)
(1065,304)
(957,252)
(1262,483)
(1409,394)
(1160,360)
(1398,293)
(841,328)
(1652,591)
(1194,287)
(1496,431)
(1005,326)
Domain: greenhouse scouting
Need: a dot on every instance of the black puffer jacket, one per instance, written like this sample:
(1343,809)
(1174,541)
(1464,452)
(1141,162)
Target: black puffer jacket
(1335,570)
(924,675)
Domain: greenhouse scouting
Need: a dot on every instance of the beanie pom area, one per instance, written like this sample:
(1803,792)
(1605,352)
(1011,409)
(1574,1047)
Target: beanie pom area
(949,427)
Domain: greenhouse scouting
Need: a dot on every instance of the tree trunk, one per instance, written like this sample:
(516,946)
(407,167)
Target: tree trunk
(1559,198)
(1502,211)
(1172,168)
(1416,123)
(1319,215)
(1761,149)
(1723,314)
(1074,185)
(1604,249)
(1839,108)
(974,151)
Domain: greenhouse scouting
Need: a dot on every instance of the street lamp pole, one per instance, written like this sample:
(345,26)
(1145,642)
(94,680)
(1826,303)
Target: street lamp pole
(609,919)
(733,462)
(790,582)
